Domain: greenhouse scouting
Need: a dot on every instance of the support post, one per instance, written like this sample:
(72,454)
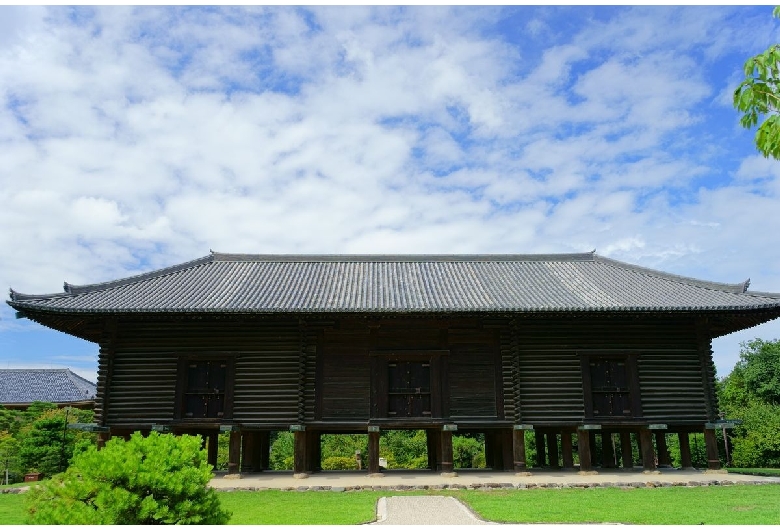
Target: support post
(490,450)
(685,450)
(299,454)
(664,458)
(552,449)
(447,467)
(247,452)
(433,441)
(711,443)
(540,453)
(234,453)
(212,448)
(583,450)
(566,449)
(373,452)
(594,455)
(263,448)
(627,450)
(518,450)
(102,438)
(648,455)
(607,450)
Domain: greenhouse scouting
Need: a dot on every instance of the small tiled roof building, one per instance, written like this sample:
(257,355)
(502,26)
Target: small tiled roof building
(20,387)
(571,346)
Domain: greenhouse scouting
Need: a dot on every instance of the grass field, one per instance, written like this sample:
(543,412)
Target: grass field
(736,505)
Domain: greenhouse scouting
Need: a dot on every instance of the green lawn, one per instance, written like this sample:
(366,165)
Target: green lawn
(671,505)
(765,471)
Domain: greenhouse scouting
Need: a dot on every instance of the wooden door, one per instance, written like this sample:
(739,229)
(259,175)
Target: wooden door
(610,387)
(205,394)
(409,389)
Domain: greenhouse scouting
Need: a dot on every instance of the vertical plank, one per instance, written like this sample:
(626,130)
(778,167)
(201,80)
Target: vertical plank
(264,451)
(299,452)
(552,449)
(213,448)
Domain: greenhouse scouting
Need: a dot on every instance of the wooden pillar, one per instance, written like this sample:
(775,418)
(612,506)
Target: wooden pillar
(102,438)
(594,455)
(664,458)
(507,452)
(583,450)
(262,451)
(685,450)
(433,441)
(566,449)
(490,450)
(248,443)
(313,451)
(540,456)
(711,444)
(552,449)
(234,453)
(299,452)
(627,450)
(648,455)
(212,448)
(446,452)
(607,450)
(518,450)
(373,452)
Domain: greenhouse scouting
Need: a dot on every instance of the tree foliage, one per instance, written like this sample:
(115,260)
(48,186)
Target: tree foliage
(751,392)
(758,97)
(159,479)
(46,445)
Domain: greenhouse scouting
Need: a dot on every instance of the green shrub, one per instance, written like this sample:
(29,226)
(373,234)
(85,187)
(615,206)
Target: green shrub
(337,463)
(160,479)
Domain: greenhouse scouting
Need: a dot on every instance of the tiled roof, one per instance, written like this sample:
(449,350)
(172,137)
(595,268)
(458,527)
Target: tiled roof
(400,284)
(18,386)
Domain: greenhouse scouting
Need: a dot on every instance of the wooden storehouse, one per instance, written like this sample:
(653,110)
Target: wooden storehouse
(498,344)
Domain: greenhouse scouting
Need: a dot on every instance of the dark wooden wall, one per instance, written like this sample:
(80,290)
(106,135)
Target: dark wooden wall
(287,371)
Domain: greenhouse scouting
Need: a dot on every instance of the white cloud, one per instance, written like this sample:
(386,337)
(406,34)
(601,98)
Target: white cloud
(135,138)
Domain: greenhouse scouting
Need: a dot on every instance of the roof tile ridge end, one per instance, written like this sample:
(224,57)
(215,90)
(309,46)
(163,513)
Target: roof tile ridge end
(77,378)
(736,288)
(71,289)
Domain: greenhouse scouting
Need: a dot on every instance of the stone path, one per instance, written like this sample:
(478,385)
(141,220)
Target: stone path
(427,510)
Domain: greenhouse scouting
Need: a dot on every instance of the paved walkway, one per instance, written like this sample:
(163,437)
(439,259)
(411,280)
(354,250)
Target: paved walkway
(424,510)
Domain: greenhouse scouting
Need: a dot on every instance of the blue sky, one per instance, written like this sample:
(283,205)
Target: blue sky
(137,138)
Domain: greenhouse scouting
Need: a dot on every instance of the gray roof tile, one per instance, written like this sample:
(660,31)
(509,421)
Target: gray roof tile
(19,386)
(406,284)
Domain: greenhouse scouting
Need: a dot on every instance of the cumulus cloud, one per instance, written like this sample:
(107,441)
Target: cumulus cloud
(135,138)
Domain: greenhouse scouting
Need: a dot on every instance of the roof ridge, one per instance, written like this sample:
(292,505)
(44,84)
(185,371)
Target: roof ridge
(78,378)
(399,258)
(736,288)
